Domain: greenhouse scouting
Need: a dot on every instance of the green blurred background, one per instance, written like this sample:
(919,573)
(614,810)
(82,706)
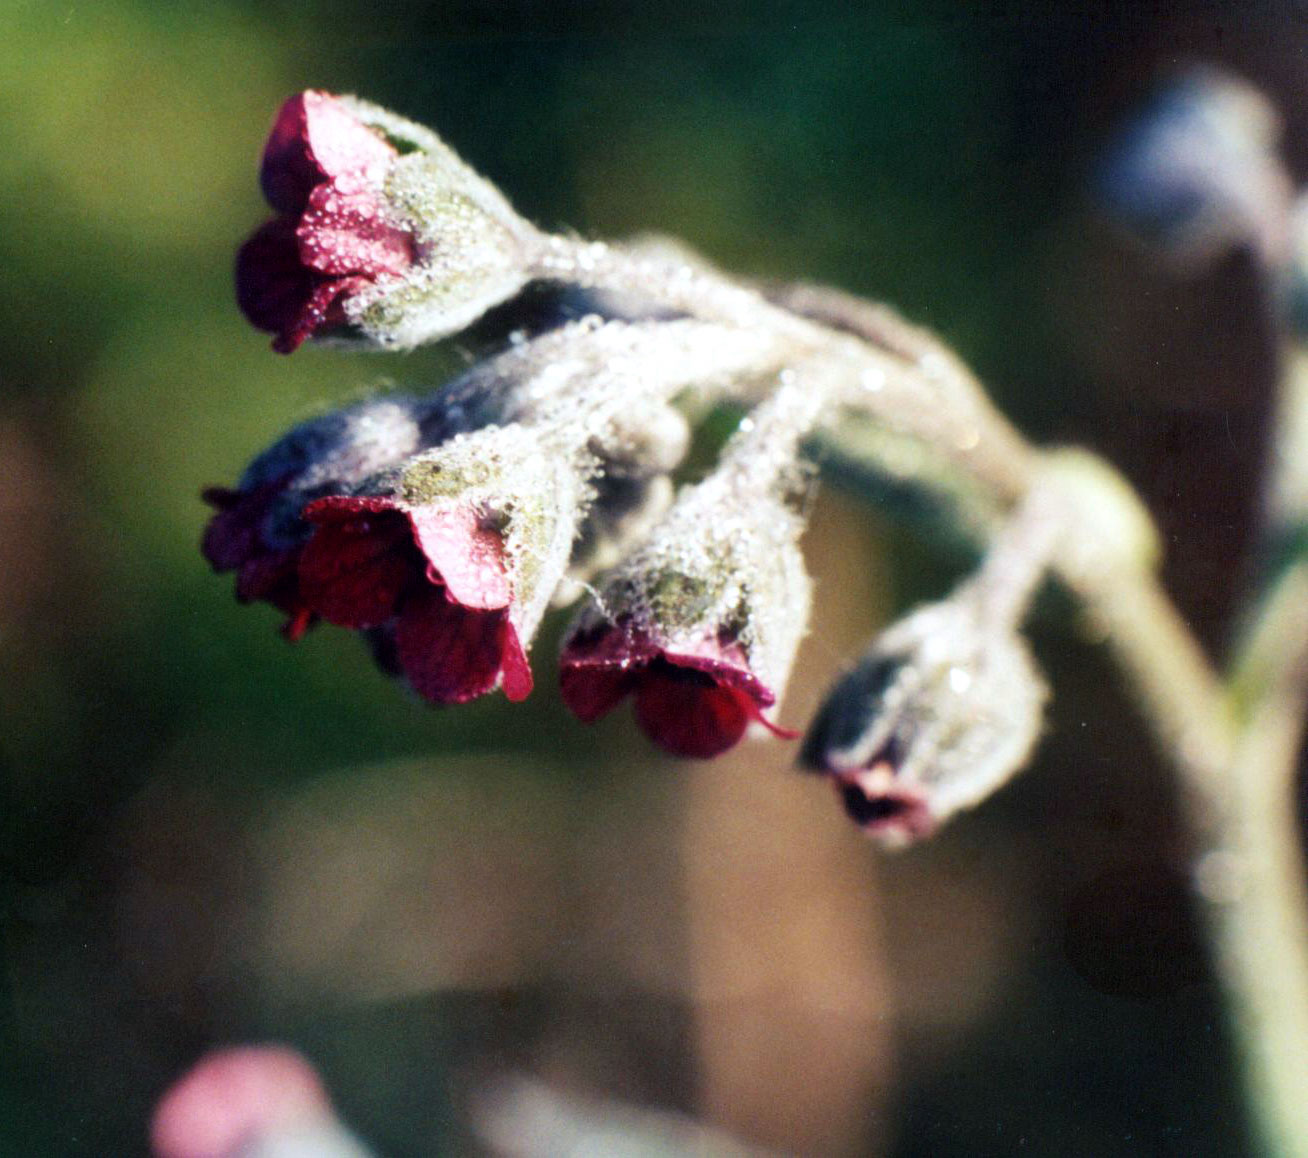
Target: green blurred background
(212,837)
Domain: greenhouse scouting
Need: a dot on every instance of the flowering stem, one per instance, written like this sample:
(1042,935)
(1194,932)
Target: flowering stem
(900,404)
(928,397)
(1257,902)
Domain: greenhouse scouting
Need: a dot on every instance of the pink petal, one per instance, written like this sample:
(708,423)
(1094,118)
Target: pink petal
(342,232)
(516,671)
(451,654)
(353,573)
(234,1097)
(599,667)
(315,137)
(322,310)
(462,554)
(725,663)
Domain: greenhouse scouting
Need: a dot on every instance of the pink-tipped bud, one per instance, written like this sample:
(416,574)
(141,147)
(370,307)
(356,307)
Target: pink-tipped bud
(384,237)
(938,714)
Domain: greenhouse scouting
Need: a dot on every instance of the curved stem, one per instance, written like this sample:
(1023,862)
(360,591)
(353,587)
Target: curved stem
(906,407)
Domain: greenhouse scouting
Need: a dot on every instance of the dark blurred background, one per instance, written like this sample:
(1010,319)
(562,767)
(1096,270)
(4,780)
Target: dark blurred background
(210,837)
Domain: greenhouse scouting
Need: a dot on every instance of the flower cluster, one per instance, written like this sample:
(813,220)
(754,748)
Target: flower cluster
(443,525)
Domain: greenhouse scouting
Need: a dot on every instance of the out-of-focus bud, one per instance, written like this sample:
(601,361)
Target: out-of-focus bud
(450,560)
(250,1102)
(940,712)
(257,530)
(701,623)
(946,704)
(1196,172)
(384,236)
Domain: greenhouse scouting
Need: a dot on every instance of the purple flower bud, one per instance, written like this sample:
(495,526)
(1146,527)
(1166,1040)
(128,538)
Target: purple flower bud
(257,530)
(1196,171)
(940,712)
(383,236)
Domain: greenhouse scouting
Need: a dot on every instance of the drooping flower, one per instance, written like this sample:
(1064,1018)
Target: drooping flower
(940,711)
(693,697)
(449,562)
(257,530)
(699,626)
(383,236)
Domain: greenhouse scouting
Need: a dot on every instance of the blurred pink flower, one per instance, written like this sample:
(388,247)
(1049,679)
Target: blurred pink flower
(234,1098)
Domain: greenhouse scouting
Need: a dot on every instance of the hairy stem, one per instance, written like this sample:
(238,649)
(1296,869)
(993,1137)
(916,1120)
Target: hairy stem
(1258,905)
(903,406)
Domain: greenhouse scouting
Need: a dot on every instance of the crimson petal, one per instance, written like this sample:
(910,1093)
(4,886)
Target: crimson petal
(315,137)
(353,573)
(451,654)
(685,713)
(342,232)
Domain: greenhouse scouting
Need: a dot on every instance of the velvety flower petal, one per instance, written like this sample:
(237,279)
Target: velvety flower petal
(593,690)
(687,714)
(462,554)
(696,700)
(232,534)
(725,664)
(451,654)
(316,137)
(598,668)
(516,679)
(342,232)
(273,577)
(354,570)
(272,285)
(321,311)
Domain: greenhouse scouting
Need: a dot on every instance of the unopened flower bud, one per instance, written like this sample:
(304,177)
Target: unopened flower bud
(700,624)
(257,530)
(384,236)
(1196,172)
(942,710)
(450,560)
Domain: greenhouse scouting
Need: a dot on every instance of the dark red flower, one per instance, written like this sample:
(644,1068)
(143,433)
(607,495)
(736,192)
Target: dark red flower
(434,576)
(322,171)
(236,539)
(692,700)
